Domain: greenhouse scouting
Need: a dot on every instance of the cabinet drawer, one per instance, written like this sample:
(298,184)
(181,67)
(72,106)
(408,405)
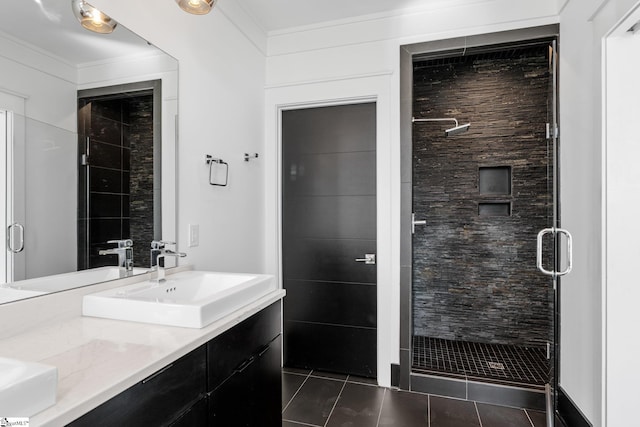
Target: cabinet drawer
(158,400)
(229,350)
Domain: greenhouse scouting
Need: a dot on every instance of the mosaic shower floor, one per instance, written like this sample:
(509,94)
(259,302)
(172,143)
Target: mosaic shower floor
(475,361)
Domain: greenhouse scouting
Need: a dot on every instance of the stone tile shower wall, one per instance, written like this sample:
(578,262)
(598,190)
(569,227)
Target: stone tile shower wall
(141,179)
(475,277)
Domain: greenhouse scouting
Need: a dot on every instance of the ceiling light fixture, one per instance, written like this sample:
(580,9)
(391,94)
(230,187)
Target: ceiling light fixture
(197,7)
(91,18)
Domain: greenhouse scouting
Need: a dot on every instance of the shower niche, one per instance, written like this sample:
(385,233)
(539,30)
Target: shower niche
(493,182)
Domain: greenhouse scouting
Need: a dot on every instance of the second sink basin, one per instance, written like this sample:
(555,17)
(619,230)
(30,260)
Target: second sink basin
(26,388)
(191,299)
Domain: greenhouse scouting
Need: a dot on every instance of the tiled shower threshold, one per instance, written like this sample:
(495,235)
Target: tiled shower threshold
(492,373)
(478,391)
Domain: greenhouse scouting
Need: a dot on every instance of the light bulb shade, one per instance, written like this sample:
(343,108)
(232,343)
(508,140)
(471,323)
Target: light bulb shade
(91,18)
(197,7)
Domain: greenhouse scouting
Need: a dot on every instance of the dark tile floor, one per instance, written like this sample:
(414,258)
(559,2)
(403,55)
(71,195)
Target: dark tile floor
(318,399)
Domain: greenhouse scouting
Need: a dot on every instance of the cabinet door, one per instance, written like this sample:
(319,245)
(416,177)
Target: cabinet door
(157,400)
(236,345)
(251,397)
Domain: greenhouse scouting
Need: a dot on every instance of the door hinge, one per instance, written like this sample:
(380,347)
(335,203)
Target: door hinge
(548,350)
(84,160)
(556,131)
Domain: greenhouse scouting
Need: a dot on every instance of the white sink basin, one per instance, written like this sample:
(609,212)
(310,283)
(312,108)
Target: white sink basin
(191,299)
(26,388)
(61,282)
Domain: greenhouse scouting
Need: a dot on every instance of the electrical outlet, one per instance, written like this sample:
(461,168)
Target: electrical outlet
(194,235)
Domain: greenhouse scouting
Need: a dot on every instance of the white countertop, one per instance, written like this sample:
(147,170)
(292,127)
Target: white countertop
(99,358)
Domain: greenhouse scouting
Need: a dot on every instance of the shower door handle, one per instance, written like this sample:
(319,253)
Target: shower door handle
(414,223)
(555,231)
(567,270)
(10,235)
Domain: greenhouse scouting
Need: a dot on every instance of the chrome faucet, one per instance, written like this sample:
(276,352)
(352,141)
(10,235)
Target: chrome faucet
(124,250)
(158,253)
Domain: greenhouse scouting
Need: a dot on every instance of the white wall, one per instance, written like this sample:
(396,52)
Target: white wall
(221,113)
(581,330)
(20,71)
(622,209)
(587,352)
(361,58)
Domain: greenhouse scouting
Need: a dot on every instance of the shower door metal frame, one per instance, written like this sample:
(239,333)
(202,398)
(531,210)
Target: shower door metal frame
(401,374)
(5,181)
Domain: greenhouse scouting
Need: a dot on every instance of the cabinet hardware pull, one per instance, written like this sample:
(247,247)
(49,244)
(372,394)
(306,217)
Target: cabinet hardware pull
(161,371)
(244,365)
(263,350)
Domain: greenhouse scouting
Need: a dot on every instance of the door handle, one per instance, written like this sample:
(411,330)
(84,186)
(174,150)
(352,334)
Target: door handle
(368,259)
(555,231)
(567,270)
(10,242)
(414,223)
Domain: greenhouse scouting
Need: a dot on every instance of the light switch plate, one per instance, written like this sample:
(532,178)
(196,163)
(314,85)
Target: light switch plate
(194,235)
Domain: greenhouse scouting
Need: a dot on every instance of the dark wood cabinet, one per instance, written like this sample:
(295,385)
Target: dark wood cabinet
(233,380)
(251,396)
(245,383)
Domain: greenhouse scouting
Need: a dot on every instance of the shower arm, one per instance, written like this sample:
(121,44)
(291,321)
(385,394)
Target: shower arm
(414,120)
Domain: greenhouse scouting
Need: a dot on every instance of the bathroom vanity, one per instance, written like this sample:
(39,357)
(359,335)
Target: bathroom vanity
(119,372)
(234,379)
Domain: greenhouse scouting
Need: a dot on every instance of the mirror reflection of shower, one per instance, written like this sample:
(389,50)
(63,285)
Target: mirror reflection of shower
(458,128)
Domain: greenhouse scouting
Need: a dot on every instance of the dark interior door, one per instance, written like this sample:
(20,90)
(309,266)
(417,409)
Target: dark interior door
(328,223)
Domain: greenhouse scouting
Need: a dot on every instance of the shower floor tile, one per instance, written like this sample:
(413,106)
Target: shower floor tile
(470,360)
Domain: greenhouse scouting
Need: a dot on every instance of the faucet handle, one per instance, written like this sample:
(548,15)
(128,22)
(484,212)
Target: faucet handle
(175,254)
(125,243)
(160,244)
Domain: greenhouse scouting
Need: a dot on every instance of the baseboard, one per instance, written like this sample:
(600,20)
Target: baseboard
(569,412)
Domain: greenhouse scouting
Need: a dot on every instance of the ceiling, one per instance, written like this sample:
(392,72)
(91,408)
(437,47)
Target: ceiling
(276,15)
(51,26)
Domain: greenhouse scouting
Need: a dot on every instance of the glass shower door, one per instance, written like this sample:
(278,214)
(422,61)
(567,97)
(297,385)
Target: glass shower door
(482,313)
(13,180)
(553,241)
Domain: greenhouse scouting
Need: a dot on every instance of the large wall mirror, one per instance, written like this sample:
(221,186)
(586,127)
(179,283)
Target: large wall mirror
(88,143)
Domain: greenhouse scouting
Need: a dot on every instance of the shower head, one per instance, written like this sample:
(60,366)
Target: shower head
(449,132)
(457,129)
